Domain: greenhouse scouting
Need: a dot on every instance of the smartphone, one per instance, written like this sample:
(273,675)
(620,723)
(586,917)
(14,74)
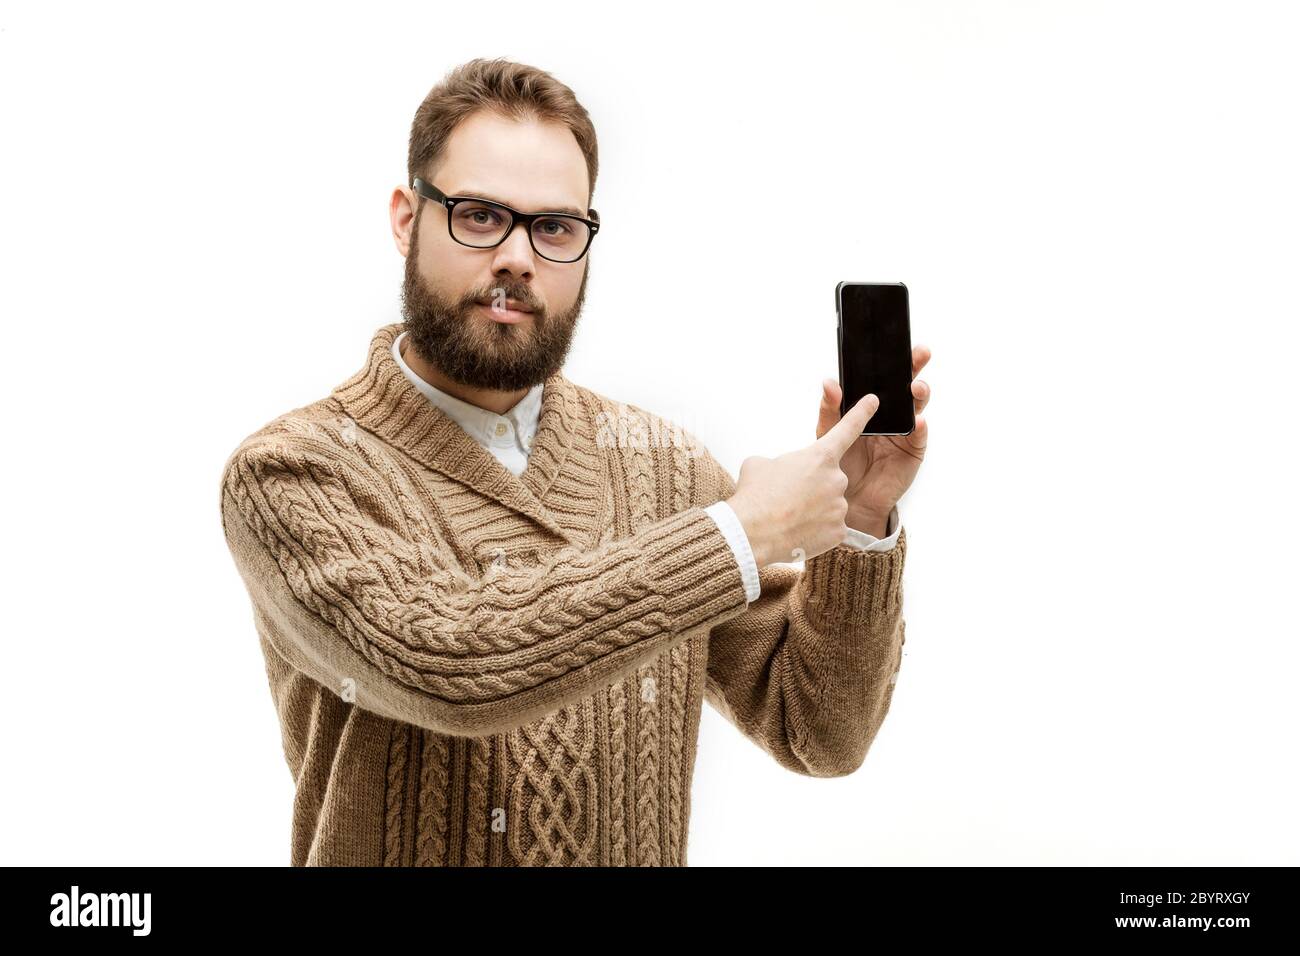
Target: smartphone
(875,346)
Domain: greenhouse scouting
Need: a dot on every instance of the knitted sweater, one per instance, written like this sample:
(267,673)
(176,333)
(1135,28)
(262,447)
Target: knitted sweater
(477,668)
(508,436)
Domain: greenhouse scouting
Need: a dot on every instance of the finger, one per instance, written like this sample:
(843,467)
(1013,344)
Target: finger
(849,428)
(920,356)
(920,435)
(829,413)
(920,396)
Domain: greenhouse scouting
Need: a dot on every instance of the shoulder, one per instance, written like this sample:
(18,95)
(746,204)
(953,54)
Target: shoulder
(318,434)
(313,473)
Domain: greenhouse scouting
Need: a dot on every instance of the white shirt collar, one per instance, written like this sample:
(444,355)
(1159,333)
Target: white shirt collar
(517,426)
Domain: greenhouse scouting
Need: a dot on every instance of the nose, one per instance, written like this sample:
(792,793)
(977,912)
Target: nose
(515,254)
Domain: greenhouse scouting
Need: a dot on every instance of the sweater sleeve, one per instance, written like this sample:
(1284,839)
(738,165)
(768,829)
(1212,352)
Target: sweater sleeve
(348,592)
(808,671)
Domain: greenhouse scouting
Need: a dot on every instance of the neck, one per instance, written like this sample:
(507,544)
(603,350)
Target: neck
(491,399)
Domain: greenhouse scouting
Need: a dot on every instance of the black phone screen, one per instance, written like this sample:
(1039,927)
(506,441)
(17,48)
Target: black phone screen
(876,353)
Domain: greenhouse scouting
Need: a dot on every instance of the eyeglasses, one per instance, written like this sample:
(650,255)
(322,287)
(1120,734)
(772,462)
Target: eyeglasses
(483,224)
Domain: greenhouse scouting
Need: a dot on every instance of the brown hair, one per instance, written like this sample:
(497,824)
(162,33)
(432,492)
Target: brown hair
(514,90)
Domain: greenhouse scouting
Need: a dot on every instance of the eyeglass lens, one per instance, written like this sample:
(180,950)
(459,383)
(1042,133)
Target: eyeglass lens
(554,237)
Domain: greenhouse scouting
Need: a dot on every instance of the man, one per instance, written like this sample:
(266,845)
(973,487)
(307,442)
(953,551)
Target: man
(489,622)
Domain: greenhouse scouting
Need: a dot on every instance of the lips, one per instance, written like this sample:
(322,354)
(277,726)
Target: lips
(513,313)
(512,304)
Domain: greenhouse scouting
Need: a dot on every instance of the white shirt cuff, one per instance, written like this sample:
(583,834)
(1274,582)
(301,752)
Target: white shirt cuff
(734,532)
(869,542)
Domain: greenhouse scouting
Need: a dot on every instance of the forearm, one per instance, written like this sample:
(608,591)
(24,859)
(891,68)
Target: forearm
(872,524)
(807,671)
(346,597)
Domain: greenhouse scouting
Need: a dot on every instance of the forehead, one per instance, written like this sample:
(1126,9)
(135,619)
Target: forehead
(527,164)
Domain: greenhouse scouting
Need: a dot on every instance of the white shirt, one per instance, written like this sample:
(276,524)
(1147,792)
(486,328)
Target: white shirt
(509,437)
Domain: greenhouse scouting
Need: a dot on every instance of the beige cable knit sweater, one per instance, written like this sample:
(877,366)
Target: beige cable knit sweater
(474,668)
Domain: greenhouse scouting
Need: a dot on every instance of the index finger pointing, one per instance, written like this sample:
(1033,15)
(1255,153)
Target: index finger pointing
(849,428)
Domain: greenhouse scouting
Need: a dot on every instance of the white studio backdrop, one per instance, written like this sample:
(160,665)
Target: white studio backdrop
(1093,204)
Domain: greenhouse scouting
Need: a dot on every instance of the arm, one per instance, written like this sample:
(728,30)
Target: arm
(807,671)
(723,514)
(348,583)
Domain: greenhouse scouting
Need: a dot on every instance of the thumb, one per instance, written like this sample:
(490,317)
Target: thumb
(829,412)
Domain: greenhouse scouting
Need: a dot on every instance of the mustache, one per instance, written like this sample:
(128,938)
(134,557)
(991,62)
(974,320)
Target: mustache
(500,292)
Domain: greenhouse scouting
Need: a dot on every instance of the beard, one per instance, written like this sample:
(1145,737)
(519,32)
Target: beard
(467,346)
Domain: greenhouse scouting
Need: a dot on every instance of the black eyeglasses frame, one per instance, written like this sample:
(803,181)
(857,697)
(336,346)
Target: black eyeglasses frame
(430,191)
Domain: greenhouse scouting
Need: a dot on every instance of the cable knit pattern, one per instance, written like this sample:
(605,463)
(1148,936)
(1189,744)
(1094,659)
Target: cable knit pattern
(474,668)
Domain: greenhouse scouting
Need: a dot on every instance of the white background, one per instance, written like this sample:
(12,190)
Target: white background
(1094,206)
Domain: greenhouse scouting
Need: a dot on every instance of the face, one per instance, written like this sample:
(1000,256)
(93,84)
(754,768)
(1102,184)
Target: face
(448,289)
